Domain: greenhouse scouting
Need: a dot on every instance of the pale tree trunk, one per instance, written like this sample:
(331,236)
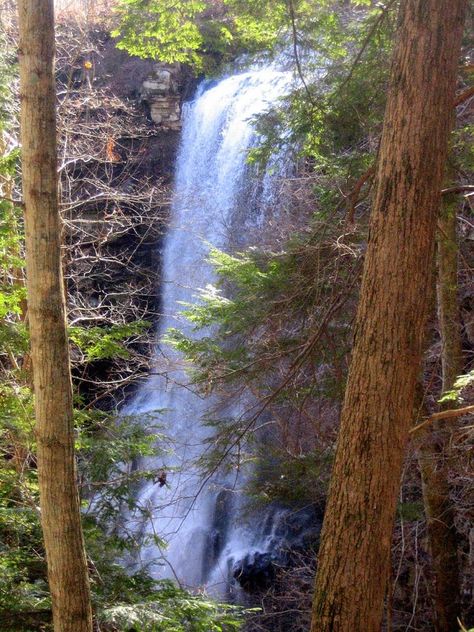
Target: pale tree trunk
(60,514)
(434,453)
(354,558)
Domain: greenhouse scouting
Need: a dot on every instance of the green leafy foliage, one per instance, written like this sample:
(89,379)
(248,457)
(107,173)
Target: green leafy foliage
(193,31)
(22,585)
(172,609)
(190,30)
(257,25)
(455,394)
(163,29)
(100,343)
(411,511)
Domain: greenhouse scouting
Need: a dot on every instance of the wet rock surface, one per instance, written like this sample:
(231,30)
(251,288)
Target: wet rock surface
(282,533)
(256,571)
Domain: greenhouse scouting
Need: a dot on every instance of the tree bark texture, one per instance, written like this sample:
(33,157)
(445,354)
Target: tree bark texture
(60,513)
(434,453)
(354,557)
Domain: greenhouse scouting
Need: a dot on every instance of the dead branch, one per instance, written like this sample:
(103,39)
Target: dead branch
(463,96)
(458,189)
(354,195)
(453,413)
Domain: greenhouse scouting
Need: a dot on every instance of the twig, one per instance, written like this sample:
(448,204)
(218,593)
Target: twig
(370,34)
(453,413)
(463,96)
(14,202)
(458,189)
(291,10)
(353,197)
(463,628)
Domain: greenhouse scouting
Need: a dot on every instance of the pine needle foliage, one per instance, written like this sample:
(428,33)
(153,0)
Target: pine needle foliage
(171,609)
(274,334)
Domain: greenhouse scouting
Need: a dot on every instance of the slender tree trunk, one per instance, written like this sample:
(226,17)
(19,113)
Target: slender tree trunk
(434,453)
(60,515)
(354,557)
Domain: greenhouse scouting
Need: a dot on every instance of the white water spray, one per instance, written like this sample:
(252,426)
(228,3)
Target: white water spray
(212,186)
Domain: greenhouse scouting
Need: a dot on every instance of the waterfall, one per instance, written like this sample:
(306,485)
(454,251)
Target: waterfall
(213,191)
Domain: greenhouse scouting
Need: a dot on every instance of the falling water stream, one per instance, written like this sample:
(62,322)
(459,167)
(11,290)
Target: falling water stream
(214,195)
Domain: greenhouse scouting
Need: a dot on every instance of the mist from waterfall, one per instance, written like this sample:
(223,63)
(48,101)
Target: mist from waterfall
(213,191)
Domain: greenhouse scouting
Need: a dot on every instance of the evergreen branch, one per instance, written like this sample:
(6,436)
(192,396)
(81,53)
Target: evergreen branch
(366,42)
(291,10)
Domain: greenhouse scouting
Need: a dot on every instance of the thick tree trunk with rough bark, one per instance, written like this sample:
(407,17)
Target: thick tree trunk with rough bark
(354,558)
(60,515)
(434,453)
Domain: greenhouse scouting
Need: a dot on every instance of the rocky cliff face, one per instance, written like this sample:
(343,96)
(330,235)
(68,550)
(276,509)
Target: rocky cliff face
(161,91)
(159,88)
(119,129)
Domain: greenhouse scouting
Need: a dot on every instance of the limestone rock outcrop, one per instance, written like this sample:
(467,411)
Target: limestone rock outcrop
(161,91)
